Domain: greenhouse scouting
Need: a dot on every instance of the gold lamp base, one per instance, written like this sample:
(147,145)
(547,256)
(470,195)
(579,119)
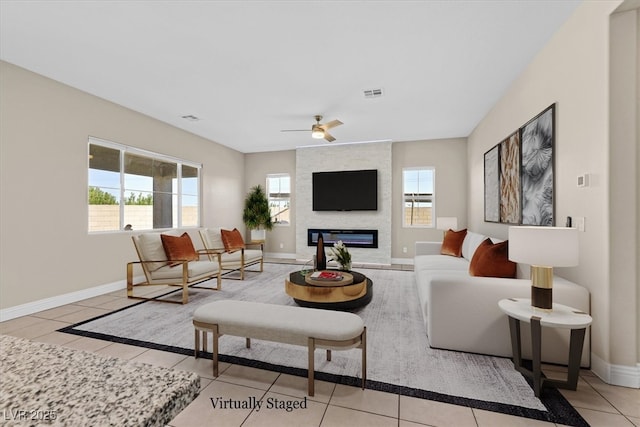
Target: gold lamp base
(542,287)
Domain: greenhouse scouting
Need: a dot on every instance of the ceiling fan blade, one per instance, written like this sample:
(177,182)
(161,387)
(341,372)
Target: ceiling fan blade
(328,137)
(332,124)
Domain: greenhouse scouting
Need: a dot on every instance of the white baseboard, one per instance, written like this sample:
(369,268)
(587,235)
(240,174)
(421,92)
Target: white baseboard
(279,255)
(403,261)
(59,300)
(620,375)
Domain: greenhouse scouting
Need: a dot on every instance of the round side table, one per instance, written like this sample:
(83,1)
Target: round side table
(561,316)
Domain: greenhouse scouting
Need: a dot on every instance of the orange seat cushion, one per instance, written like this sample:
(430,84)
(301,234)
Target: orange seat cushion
(179,248)
(492,260)
(232,240)
(452,243)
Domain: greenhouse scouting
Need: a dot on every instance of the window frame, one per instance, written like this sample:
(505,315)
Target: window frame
(279,175)
(432,169)
(178,195)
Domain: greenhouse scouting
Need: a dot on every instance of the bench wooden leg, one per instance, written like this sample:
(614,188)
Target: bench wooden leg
(216,336)
(328,355)
(363,343)
(312,348)
(248,343)
(197,342)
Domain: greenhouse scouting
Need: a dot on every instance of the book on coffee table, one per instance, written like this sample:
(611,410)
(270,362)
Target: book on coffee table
(326,275)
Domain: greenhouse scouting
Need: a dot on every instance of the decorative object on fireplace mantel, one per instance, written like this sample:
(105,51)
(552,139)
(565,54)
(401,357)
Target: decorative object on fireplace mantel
(321,260)
(341,255)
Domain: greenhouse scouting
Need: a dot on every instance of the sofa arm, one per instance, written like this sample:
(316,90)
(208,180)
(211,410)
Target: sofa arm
(428,248)
(464,315)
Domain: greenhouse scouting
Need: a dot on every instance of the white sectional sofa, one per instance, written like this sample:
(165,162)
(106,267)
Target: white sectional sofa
(461,312)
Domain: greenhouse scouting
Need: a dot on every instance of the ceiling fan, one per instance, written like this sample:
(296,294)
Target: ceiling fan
(319,130)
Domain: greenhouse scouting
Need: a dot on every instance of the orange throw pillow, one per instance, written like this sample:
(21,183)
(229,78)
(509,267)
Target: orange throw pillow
(232,240)
(178,248)
(452,243)
(492,260)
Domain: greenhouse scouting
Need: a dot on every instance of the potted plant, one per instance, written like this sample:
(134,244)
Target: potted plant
(256,214)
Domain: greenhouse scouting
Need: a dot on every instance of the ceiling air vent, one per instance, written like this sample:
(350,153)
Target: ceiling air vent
(372,93)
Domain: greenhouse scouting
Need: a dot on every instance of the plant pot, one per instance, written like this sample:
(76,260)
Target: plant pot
(258,235)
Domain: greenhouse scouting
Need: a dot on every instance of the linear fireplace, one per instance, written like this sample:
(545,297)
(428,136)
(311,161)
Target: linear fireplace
(354,238)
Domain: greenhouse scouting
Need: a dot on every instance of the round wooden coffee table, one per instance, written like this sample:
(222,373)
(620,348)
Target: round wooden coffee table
(353,291)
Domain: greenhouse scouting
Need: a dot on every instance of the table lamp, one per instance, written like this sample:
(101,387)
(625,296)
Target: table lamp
(543,248)
(446,223)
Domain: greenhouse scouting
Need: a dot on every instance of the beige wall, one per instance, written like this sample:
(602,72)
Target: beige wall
(573,72)
(257,167)
(623,222)
(449,158)
(44,125)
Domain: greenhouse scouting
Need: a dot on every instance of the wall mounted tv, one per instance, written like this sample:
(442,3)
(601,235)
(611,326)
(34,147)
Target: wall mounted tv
(345,190)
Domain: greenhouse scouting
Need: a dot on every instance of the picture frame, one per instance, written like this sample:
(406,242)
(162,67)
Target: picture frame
(537,175)
(510,188)
(492,184)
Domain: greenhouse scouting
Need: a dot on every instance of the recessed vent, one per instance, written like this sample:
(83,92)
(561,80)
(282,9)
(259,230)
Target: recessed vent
(191,118)
(372,93)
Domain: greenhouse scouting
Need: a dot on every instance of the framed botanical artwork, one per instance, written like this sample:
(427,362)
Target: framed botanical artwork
(537,169)
(492,185)
(510,179)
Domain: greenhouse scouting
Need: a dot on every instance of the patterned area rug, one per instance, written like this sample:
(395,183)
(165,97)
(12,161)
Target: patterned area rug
(399,358)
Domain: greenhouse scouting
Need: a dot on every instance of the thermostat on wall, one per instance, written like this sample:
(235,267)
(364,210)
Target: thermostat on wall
(583,180)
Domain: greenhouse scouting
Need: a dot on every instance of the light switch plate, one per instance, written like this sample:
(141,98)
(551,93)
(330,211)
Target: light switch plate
(583,180)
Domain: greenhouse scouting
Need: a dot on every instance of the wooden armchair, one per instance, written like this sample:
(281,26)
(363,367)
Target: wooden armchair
(232,260)
(159,270)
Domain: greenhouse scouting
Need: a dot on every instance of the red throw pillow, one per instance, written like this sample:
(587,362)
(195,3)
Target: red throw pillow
(492,260)
(178,248)
(232,240)
(452,243)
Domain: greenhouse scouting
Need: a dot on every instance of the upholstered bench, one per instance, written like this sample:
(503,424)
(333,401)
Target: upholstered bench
(315,328)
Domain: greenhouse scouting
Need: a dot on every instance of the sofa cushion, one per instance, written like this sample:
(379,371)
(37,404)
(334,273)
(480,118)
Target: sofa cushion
(233,260)
(440,262)
(178,248)
(195,269)
(471,242)
(150,248)
(232,240)
(452,242)
(492,260)
(213,238)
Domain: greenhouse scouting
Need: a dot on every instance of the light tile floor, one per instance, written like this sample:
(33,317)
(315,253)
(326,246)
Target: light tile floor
(333,405)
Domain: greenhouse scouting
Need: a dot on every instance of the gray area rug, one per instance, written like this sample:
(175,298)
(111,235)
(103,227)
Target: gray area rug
(398,353)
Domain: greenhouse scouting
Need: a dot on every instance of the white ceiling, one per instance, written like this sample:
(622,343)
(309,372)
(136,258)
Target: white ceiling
(249,69)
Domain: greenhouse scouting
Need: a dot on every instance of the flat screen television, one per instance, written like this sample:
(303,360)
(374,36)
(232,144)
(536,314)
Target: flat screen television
(345,190)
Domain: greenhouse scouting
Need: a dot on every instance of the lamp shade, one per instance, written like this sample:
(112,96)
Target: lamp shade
(446,223)
(544,246)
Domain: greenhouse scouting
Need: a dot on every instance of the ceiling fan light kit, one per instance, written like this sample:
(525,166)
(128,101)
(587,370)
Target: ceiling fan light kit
(319,130)
(317,133)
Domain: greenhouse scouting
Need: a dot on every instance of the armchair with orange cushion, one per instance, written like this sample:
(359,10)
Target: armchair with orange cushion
(169,258)
(235,254)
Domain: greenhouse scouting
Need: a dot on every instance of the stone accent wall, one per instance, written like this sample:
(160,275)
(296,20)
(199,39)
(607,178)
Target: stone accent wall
(337,158)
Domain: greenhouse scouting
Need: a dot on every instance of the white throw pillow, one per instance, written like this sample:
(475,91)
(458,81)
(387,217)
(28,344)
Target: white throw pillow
(470,244)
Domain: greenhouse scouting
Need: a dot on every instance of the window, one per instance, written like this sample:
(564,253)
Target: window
(279,195)
(418,197)
(140,190)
